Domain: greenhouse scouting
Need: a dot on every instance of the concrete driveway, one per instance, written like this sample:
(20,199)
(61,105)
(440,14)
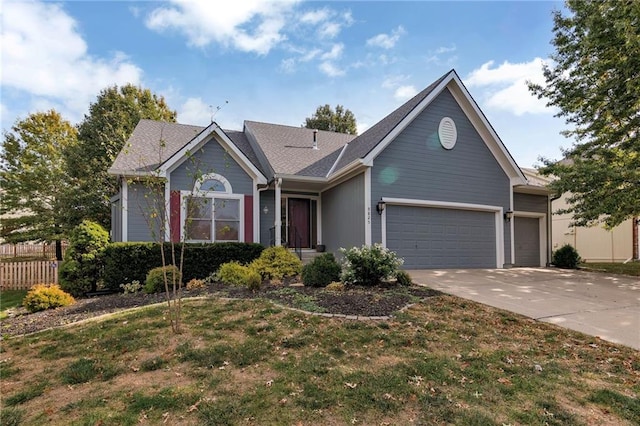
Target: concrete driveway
(603,305)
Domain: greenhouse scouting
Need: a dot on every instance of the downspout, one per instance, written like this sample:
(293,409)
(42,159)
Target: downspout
(552,198)
(635,222)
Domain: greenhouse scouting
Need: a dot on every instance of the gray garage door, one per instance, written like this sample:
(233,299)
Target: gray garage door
(527,241)
(429,238)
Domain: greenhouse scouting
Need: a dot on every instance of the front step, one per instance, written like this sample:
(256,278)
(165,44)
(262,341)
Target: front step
(308,256)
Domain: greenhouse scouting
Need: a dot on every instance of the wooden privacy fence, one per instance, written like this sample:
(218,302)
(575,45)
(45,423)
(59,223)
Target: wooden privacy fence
(23,275)
(47,251)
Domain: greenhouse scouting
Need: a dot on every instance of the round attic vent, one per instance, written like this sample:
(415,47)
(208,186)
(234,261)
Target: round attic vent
(447,133)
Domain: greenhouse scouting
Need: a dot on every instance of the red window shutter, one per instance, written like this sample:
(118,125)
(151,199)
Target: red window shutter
(174,207)
(248,218)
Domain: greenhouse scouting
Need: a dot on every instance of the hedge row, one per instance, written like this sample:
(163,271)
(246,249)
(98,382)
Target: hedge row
(125,262)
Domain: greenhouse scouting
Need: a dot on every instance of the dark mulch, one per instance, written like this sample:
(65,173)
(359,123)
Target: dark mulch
(370,301)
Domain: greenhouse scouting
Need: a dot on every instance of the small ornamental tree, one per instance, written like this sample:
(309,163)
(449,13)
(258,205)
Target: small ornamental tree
(81,270)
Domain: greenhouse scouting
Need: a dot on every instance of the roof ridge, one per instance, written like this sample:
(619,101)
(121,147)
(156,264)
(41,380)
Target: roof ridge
(296,127)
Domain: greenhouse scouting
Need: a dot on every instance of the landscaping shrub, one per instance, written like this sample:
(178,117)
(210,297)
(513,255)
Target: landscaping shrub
(566,257)
(195,284)
(335,286)
(82,267)
(404,278)
(277,263)
(42,297)
(125,262)
(369,265)
(155,279)
(236,274)
(132,287)
(321,271)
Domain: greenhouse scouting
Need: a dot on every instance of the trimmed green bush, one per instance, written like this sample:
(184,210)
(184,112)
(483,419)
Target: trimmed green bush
(233,273)
(82,268)
(42,297)
(566,257)
(126,262)
(155,279)
(404,278)
(277,263)
(369,265)
(321,271)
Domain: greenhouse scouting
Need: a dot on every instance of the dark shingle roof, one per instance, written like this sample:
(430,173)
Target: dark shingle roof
(240,140)
(143,152)
(368,140)
(290,151)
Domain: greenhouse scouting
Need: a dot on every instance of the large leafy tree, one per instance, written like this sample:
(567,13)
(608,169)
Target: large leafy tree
(594,81)
(33,177)
(101,135)
(326,118)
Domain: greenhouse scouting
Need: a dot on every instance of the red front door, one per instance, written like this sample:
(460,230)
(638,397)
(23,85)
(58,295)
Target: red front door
(299,221)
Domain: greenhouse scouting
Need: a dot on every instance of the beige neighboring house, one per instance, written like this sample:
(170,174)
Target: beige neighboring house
(595,243)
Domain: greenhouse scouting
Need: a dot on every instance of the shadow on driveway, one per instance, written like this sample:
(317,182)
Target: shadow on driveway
(602,305)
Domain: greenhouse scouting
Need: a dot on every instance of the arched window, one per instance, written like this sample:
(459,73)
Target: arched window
(212,212)
(213,182)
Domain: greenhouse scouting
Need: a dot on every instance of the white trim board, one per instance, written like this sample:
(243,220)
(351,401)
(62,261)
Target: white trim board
(498,212)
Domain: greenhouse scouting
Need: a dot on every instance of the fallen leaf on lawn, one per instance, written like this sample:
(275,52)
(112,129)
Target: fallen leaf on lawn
(269,383)
(504,381)
(351,385)
(134,369)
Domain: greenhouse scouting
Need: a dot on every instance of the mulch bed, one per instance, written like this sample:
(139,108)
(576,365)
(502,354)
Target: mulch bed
(369,302)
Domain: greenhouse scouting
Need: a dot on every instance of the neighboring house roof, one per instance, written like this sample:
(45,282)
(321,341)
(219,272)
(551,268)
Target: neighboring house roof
(534,178)
(289,150)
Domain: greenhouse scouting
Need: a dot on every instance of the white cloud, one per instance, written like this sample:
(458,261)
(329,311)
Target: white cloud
(249,25)
(334,53)
(288,65)
(404,93)
(506,86)
(195,111)
(315,16)
(331,69)
(45,57)
(393,81)
(387,41)
(436,56)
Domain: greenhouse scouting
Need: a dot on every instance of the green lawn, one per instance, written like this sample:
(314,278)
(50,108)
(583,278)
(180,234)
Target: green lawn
(629,268)
(10,299)
(443,361)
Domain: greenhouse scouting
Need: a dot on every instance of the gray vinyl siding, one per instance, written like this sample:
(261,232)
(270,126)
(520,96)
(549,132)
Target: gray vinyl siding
(141,204)
(211,158)
(116,219)
(267,221)
(343,215)
(530,203)
(416,166)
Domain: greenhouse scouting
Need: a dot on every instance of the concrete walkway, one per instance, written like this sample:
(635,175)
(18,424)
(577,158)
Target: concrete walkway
(603,305)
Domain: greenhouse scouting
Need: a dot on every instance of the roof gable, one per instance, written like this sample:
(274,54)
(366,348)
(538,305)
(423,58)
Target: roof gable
(368,145)
(152,143)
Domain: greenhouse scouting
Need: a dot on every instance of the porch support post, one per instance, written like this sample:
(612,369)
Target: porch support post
(278,212)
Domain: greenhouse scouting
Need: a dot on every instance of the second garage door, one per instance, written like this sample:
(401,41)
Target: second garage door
(430,238)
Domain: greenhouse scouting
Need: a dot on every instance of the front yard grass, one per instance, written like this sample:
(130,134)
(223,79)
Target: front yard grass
(10,299)
(629,268)
(443,361)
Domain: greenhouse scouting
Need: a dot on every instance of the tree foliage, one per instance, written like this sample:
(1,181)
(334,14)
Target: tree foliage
(594,81)
(33,177)
(101,136)
(325,118)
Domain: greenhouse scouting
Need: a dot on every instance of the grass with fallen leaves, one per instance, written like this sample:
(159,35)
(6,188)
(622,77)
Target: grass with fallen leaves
(629,268)
(443,361)
(10,299)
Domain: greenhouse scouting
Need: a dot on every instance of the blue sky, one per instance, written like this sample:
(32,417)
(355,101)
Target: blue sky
(277,61)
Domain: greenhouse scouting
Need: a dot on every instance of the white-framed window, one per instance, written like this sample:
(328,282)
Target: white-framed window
(211,212)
